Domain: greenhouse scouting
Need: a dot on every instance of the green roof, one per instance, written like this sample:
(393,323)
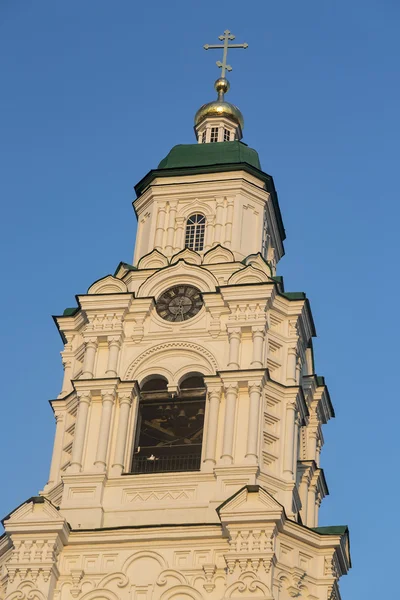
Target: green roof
(332,530)
(294,295)
(69,312)
(196,155)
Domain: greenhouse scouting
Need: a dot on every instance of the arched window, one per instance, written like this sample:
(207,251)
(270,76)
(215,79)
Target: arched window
(169,431)
(195,230)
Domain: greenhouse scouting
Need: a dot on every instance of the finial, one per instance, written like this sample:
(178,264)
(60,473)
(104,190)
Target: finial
(222,84)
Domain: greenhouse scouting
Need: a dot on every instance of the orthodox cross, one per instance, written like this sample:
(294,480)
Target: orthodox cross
(225,38)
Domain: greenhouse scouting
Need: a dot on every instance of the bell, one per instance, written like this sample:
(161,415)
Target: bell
(182,416)
(200,414)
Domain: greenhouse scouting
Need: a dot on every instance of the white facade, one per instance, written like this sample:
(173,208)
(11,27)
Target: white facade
(242,525)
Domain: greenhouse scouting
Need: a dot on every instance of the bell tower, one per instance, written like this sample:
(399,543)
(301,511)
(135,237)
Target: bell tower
(186,461)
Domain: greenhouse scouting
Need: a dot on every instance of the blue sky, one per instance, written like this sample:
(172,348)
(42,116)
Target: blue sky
(95,93)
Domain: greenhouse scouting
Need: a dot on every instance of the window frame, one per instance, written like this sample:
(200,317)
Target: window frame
(195,232)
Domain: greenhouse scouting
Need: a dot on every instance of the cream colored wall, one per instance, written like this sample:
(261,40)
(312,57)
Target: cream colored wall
(233,204)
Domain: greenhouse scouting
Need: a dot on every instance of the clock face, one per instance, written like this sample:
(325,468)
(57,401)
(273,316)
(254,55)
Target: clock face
(179,303)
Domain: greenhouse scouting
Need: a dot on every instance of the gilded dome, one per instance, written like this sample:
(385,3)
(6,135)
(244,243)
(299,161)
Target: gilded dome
(220,108)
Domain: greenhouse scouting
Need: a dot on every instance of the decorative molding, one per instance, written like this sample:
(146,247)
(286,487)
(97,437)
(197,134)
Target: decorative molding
(155,494)
(177,345)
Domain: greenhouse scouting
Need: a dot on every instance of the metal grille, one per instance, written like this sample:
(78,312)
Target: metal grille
(195,231)
(163,464)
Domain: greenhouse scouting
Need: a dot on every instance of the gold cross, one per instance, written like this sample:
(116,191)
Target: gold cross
(225,38)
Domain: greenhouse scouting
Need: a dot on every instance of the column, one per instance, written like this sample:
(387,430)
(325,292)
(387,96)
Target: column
(159,236)
(289,439)
(312,444)
(210,225)
(258,346)
(179,234)
(214,399)
(297,423)
(88,361)
(291,365)
(303,493)
(57,449)
(254,418)
(114,344)
(67,364)
(125,403)
(108,397)
(311,508)
(231,393)
(228,224)
(219,220)
(169,247)
(318,501)
(80,431)
(234,336)
(298,369)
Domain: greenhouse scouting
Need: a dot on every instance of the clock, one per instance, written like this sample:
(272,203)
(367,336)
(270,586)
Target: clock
(179,303)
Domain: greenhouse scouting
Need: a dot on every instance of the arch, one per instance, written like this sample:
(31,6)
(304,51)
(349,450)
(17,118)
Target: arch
(181,592)
(108,285)
(153,260)
(179,273)
(154,383)
(149,372)
(218,254)
(144,554)
(258,262)
(100,594)
(201,207)
(248,275)
(181,356)
(191,380)
(188,255)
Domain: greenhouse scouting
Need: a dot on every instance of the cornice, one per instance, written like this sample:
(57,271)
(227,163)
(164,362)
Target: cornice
(179,533)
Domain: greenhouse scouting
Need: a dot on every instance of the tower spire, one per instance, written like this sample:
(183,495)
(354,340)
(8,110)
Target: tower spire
(220,121)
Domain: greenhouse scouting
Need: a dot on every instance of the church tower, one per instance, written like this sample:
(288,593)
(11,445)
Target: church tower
(186,461)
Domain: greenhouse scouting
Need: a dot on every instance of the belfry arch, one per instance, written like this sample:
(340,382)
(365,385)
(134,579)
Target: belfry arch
(174,358)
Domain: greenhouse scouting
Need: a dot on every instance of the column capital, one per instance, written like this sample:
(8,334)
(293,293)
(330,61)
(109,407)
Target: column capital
(107,395)
(91,342)
(114,340)
(127,392)
(125,398)
(84,396)
(231,386)
(59,417)
(255,386)
(213,385)
(234,332)
(259,330)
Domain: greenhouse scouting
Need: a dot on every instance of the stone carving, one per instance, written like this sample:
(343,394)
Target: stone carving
(157,495)
(248,585)
(209,572)
(104,321)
